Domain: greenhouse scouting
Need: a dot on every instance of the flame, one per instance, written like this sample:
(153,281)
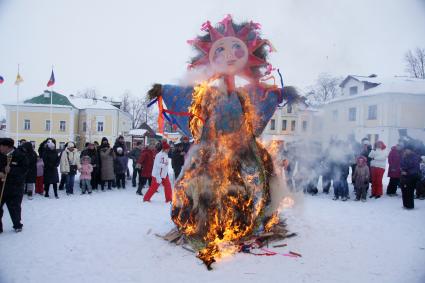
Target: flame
(222,195)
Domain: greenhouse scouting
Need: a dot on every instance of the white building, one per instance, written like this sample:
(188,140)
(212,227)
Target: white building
(376,108)
(293,123)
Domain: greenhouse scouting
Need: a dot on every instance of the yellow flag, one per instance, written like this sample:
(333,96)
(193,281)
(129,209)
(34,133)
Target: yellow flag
(19,79)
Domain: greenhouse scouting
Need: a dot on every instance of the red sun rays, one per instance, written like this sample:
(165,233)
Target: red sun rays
(253,44)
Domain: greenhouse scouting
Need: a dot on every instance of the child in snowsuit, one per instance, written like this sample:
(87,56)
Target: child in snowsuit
(361,177)
(85,177)
(120,167)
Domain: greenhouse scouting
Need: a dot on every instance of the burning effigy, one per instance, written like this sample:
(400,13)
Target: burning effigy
(224,195)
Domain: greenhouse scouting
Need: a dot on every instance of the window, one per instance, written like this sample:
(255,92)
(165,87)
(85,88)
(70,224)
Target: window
(372,112)
(289,110)
(353,90)
(84,126)
(47,126)
(284,122)
(27,125)
(272,124)
(352,114)
(61,145)
(100,126)
(62,126)
(335,115)
(293,125)
(304,126)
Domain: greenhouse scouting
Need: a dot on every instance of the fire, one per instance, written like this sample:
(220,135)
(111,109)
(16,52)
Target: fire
(222,195)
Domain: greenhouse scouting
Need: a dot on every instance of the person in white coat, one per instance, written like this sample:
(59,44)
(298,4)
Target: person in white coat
(160,174)
(377,168)
(69,165)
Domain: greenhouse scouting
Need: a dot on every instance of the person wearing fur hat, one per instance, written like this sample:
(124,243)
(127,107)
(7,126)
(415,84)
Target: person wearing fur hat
(120,167)
(410,170)
(106,164)
(361,177)
(51,161)
(69,165)
(377,168)
(13,168)
(160,174)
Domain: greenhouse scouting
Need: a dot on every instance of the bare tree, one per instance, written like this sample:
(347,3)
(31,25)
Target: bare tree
(415,62)
(87,93)
(137,107)
(325,89)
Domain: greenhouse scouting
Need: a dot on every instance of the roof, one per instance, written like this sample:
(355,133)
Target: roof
(400,85)
(88,103)
(137,132)
(44,98)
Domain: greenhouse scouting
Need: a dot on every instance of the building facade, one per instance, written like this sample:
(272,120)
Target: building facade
(65,119)
(292,123)
(376,108)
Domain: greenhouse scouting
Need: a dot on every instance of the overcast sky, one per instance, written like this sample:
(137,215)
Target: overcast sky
(114,46)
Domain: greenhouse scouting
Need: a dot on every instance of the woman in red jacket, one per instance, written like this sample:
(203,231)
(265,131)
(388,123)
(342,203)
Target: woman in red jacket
(394,171)
(145,164)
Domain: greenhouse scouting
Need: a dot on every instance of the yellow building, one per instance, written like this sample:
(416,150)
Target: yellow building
(66,119)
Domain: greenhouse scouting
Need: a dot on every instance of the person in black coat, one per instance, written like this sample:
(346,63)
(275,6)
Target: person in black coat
(91,152)
(51,161)
(177,159)
(31,156)
(13,168)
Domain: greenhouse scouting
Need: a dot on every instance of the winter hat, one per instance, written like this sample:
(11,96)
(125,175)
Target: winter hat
(361,158)
(381,145)
(104,139)
(365,141)
(165,145)
(71,145)
(7,142)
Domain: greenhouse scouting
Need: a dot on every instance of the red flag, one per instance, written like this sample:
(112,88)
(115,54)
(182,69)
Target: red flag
(51,80)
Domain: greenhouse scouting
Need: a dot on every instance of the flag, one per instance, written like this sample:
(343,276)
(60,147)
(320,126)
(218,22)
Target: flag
(1,80)
(51,80)
(19,79)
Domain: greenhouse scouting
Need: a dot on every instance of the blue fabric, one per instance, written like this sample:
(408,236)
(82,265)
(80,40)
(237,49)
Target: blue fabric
(229,110)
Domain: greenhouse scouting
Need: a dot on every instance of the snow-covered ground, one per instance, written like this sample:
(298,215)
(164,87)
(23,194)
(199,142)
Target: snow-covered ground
(110,237)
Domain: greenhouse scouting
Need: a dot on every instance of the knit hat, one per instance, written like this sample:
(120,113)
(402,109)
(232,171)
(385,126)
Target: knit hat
(7,142)
(104,139)
(381,145)
(165,145)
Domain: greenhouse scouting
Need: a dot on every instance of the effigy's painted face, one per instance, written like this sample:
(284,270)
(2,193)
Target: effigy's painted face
(228,55)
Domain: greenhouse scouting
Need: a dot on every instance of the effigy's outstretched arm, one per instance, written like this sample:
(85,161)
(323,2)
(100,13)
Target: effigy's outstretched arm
(265,102)
(178,100)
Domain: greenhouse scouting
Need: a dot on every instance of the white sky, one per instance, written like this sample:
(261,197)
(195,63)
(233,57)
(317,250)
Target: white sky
(115,46)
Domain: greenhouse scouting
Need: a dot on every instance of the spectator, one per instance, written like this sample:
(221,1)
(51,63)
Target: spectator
(378,164)
(134,156)
(39,180)
(186,144)
(120,167)
(160,174)
(420,191)
(51,161)
(86,175)
(394,170)
(361,178)
(31,175)
(91,152)
(145,165)
(69,165)
(106,163)
(13,164)
(177,159)
(410,170)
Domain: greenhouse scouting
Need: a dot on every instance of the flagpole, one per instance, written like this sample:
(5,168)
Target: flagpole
(17,111)
(51,108)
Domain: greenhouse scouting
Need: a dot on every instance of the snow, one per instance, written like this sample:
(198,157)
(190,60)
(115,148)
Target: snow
(110,237)
(86,103)
(137,132)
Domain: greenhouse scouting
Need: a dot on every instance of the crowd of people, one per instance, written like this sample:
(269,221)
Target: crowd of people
(406,169)
(101,167)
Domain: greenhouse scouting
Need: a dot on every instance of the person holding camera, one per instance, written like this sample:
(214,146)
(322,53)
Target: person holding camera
(69,165)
